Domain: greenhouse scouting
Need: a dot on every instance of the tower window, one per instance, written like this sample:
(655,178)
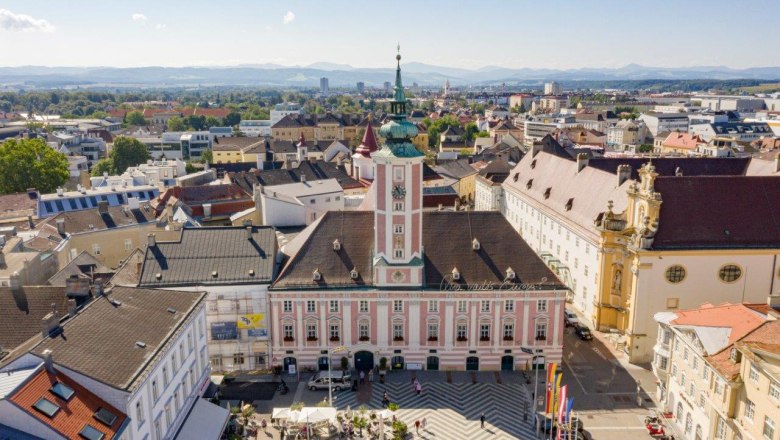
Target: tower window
(398,206)
(398,229)
(398,253)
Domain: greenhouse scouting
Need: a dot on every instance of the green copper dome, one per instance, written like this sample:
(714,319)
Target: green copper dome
(399,132)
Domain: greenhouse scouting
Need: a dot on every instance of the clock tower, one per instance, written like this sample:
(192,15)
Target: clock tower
(398,258)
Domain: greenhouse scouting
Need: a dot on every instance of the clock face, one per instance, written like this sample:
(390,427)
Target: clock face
(399,192)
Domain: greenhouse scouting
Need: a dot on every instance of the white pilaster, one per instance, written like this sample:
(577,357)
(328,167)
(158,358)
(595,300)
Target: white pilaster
(299,334)
(474,331)
(347,323)
(324,323)
(556,323)
(449,324)
(497,324)
(414,324)
(382,323)
(277,331)
(524,324)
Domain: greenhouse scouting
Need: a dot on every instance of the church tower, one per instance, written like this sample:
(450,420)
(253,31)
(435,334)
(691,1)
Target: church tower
(398,258)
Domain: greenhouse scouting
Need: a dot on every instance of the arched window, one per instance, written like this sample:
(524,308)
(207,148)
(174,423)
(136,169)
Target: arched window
(698,432)
(678,415)
(688,423)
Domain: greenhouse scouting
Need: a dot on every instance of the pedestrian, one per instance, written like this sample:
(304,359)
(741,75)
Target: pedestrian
(362,377)
(423,423)
(264,424)
(370,376)
(418,388)
(417,426)
(385,400)
(482,421)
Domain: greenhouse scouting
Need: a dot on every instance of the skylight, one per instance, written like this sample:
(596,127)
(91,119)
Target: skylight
(105,416)
(90,433)
(46,406)
(62,391)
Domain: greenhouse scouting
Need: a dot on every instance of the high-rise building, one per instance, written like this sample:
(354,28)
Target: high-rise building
(324,85)
(552,88)
(387,86)
(361,87)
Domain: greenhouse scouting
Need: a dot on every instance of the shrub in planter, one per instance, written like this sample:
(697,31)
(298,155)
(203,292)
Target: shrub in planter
(288,339)
(334,338)
(433,338)
(364,338)
(311,338)
(508,338)
(344,363)
(398,338)
(462,339)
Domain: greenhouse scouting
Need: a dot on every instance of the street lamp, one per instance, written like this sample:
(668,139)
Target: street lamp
(339,349)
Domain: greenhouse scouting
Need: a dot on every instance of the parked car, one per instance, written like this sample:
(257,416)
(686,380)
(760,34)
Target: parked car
(323,380)
(570,319)
(583,333)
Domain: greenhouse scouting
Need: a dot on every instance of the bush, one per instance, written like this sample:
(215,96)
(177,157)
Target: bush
(344,363)
(383,363)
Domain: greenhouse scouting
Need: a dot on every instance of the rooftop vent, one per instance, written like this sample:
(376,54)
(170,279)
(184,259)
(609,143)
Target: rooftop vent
(569,204)
(354,273)
(171,310)
(529,184)
(214,274)
(140,344)
(115,303)
(510,274)
(475,246)
(455,274)
(158,275)
(316,275)
(336,245)
(251,272)
(547,192)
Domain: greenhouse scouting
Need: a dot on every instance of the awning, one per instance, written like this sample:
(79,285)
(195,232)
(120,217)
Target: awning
(205,421)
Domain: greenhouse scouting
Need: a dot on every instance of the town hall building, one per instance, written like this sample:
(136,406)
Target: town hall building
(450,290)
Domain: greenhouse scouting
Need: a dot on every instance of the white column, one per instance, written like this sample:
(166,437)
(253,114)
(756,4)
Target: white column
(524,324)
(449,324)
(381,323)
(496,324)
(299,334)
(414,323)
(473,341)
(277,333)
(347,323)
(324,323)
(556,323)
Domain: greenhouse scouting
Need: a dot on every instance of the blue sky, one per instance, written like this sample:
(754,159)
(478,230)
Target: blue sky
(469,34)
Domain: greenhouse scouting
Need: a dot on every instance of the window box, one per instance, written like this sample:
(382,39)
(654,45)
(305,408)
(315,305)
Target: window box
(364,338)
(541,338)
(288,339)
(509,338)
(484,338)
(433,338)
(462,339)
(334,338)
(311,338)
(398,338)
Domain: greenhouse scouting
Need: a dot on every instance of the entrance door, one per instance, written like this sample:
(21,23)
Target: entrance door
(472,363)
(397,363)
(290,361)
(364,360)
(432,363)
(507,363)
(539,363)
(322,363)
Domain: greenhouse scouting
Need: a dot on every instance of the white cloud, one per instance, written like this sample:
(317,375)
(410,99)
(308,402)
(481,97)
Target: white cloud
(288,17)
(21,22)
(160,26)
(141,18)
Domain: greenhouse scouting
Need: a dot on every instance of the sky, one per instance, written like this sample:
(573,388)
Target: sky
(558,34)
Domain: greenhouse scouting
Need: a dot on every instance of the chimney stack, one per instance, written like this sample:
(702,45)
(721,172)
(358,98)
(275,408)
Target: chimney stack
(15,281)
(30,222)
(47,362)
(51,321)
(623,173)
(151,240)
(71,307)
(582,161)
(76,287)
(103,207)
(61,226)
(248,230)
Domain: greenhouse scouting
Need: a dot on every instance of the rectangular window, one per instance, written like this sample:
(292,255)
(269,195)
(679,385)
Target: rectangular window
(484,332)
(753,373)
(769,428)
(541,331)
(720,429)
(398,331)
(484,305)
(139,413)
(168,418)
(398,206)
(288,331)
(157,428)
(433,306)
(334,331)
(433,332)
(509,331)
(96,249)
(363,306)
(174,365)
(462,306)
(541,305)
(287,306)
(398,229)
(363,331)
(238,358)
(509,305)
(398,306)
(398,174)
(750,409)
(461,332)
(311,306)
(585,270)
(216,363)
(774,391)
(165,377)
(128,244)
(189,342)
(311,331)
(155,391)
(334,306)
(398,253)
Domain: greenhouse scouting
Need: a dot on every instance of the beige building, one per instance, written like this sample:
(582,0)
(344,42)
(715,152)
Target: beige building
(759,398)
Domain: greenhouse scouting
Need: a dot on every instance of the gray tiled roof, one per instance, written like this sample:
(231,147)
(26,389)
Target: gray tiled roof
(100,342)
(21,311)
(202,251)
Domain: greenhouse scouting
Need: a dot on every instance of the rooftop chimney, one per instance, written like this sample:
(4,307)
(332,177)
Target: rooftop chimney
(582,161)
(207,209)
(47,362)
(15,281)
(30,222)
(151,240)
(678,172)
(102,207)
(61,226)
(72,307)
(51,321)
(623,173)
(97,288)
(303,177)
(76,287)
(248,230)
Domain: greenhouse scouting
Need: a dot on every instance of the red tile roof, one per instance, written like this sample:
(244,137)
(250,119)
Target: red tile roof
(739,317)
(685,141)
(74,414)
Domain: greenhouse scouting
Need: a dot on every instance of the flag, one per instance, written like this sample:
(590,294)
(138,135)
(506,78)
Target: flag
(556,393)
(569,406)
(562,406)
(552,367)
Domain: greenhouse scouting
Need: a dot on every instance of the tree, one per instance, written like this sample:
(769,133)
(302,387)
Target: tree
(231,119)
(471,131)
(176,124)
(211,121)
(127,152)
(30,163)
(105,165)
(207,156)
(196,123)
(135,118)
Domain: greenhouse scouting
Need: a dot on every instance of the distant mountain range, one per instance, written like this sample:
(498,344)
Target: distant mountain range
(341,75)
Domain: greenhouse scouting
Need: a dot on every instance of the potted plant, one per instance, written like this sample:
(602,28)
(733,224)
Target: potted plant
(311,338)
(382,369)
(364,338)
(334,338)
(398,338)
(432,338)
(288,339)
(484,338)
(344,363)
(462,339)
(508,338)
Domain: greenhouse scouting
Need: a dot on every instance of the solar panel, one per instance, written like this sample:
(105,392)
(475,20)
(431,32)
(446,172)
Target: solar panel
(46,406)
(62,391)
(90,433)
(105,416)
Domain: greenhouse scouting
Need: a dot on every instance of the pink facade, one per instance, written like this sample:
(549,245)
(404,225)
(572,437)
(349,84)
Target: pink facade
(370,322)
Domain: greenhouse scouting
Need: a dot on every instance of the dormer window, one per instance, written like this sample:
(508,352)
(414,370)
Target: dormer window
(455,274)
(336,245)
(510,274)
(569,204)
(516,177)
(316,275)
(529,184)
(533,164)
(547,193)
(475,246)
(735,355)
(354,273)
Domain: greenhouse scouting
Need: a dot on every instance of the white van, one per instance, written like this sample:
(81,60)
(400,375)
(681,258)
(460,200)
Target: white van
(321,380)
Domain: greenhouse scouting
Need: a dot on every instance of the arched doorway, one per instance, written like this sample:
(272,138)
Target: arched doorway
(472,363)
(507,363)
(364,360)
(432,363)
(397,363)
(288,361)
(322,363)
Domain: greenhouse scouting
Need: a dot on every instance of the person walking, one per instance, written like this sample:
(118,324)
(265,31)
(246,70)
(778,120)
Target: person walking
(418,388)
(482,421)
(370,376)
(362,377)
(417,426)
(423,423)
(385,400)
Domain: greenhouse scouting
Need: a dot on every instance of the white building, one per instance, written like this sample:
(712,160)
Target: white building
(234,265)
(730,102)
(552,88)
(255,127)
(301,203)
(281,110)
(663,122)
(162,173)
(489,194)
(83,198)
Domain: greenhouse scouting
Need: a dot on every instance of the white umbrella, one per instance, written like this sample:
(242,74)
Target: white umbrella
(316,414)
(385,414)
(280,413)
